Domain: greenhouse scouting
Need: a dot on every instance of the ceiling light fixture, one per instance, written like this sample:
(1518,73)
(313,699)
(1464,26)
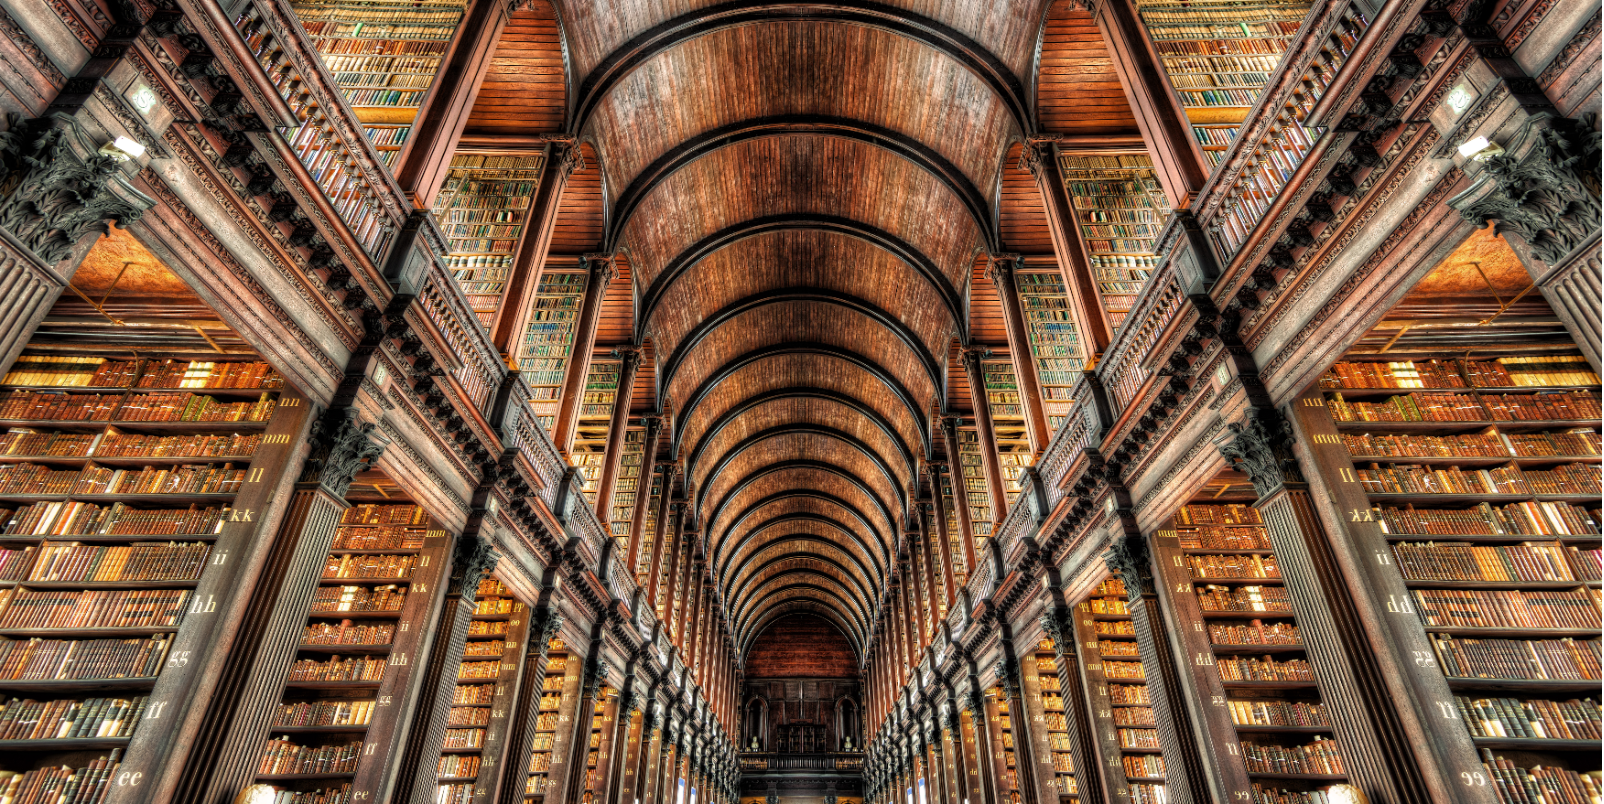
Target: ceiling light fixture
(1481,149)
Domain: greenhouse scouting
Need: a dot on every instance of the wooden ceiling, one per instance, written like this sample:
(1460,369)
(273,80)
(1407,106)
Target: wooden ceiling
(803,197)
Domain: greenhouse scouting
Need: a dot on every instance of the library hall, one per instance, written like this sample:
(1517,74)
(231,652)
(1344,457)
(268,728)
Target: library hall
(801,402)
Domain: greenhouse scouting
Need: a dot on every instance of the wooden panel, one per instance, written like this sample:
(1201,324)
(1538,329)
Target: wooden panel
(579,217)
(986,325)
(800,447)
(793,517)
(801,646)
(1078,91)
(803,412)
(1022,218)
(523,92)
(797,479)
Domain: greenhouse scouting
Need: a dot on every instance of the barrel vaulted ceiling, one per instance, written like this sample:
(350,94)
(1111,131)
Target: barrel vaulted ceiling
(801,192)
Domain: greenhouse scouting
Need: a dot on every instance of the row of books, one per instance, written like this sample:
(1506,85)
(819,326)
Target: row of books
(61,784)
(173,407)
(479,671)
(1134,716)
(389,597)
(1149,794)
(494,647)
(1417,407)
(1248,668)
(338,668)
(1212,597)
(328,795)
(1255,632)
(372,514)
(364,566)
(1508,608)
(116,444)
(96,372)
(473,694)
(1515,519)
(89,519)
(347,632)
(1417,479)
(1518,659)
(392,537)
(1138,738)
(1141,765)
(468,716)
(1125,671)
(282,757)
(1541,785)
(454,793)
(81,659)
(29,479)
(1249,566)
(1505,372)
(1270,795)
(1277,713)
(66,719)
(1117,647)
(1491,444)
(1529,561)
(341,43)
(458,765)
(464,738)
(1228,514)
(1534,719)
(146,608)
(487,627)
(75,562)
(1319,757)
(1128,695)
(303,714)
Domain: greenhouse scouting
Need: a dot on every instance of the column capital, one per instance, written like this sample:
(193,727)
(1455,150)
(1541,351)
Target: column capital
(473,557)
(1000,268)
(1261,447)
(342,446)
(601,267)
(1128,557)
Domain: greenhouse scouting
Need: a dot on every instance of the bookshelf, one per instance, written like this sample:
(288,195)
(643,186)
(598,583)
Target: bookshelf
(976,493)
(1120,208)
(549,340)
(1483,479)
(595,753)
(1248,653)
(1055,722)
(1218,56)
(627,487)
(559,688)
(955,546)
(1121,709)
(649,534)
(335,724)
(1054,340)
(1006,757)
(1215,140)
(119,477)
(481,210)
(1008,422)
(383,57)
(487,680)
(595,414)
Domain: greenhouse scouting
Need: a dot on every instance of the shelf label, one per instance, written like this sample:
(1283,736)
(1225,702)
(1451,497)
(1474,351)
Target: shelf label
(153,710)
(129,779)
(1347,475)
(1397,606)
(240,515)
(276,438)
(1423,658)
(1360,515)
(1314,401)
(1473,778)
(1448,711)
(1383,558)
(208,607)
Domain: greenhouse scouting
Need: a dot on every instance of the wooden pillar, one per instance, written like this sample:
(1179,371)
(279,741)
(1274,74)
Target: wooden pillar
(518,302)
(1175,153)
(1187,776)
(692,607)
(1024,728)
(665,544)
(590,697)
(1033,747)
(1001,270)
(1086,305)
(613,717)
(421,167)
(987,433)
(228,741)
(651,752)
(622,789)
(545,623)
(643,494)
(943,538)
(420,758)
(932,555)
(960,494)
(599,275)
(971,720)
(629,358)
(1060,628)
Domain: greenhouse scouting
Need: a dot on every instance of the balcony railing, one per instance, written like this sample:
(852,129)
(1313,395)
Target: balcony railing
(835,761)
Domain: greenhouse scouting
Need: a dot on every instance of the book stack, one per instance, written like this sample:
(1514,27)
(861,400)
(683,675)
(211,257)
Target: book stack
(70,720)
(284,758)
(1539,659)
(366,566)
(1319,758)
(40,659)
(1531,719)
(1120,208)
(1541,785)
(62,783)
(1465,561)
(324,713)
(338,668)
(153,608)
(348,632)
(1263,669)
(1214,598)
(1278,713)
(1509,608)
(389,597)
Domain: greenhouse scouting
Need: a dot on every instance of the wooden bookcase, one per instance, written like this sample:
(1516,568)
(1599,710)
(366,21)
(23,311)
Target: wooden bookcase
(559,688)
(1055,721)
(487,684)
(1482,477)
(977,493)
(481,210)
(1006,758)
(1215,139)
(1054,340)
(383,56)
(595,416)
(1120,208)
(601,722)
(1120,707)
(627,486)
(955,536)
(1218,56)
(649,534)
(359,652)
(123,485)
(549,340)
(1244,652)
(1008,421)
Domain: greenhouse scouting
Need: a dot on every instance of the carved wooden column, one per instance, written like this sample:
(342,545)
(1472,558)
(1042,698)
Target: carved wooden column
(1023,726)
(613,716)
(643,494)
(590,694)
(651,755)
(545,623)
(518,302)
(960,494)
(421,166)
(599,271)
(1001,269)
(1058,627)
(1086,305)
(227,744)
(976,746)
(1176,156)
(420,758)
(629,358)
(1035,749)
(995,759)
(943,538)
(621,789)
(665,544)
(55,165)
(987,432)
(1186,774)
